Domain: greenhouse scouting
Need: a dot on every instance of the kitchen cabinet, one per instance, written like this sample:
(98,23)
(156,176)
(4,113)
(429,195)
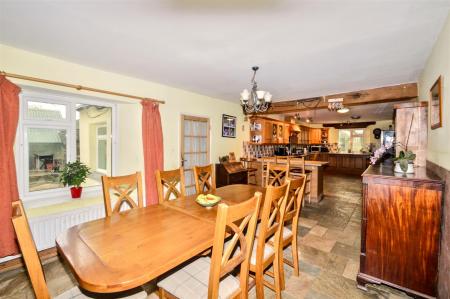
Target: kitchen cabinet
(315,136)
(269,131)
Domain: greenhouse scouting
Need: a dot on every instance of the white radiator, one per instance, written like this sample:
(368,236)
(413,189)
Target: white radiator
(46,228)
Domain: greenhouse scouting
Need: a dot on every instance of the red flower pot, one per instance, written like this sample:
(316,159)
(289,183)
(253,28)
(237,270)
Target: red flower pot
(76,192)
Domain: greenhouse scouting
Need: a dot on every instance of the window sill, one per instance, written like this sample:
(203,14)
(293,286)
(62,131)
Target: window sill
(61,206)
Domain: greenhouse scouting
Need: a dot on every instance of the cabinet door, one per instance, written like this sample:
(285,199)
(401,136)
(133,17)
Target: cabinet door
(286,133)
(267,135)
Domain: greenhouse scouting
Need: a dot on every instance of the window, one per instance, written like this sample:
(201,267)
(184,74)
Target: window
(56,128)
(351,140)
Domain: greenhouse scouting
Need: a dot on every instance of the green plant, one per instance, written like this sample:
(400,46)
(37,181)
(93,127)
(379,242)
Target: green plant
(74,174)
(404,158)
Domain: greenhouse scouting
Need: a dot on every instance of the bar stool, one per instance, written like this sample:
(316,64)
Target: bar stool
(297,169)
(251,171)
(265,162)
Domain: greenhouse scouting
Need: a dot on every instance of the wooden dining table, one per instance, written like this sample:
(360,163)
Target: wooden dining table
(128,249)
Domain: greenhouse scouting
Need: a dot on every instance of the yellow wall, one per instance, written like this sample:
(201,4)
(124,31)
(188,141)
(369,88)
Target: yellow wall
(438,64)
(178,102)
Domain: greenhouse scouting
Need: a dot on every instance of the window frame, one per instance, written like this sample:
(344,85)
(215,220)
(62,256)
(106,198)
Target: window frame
(352,135)
(35,94)
(97,139)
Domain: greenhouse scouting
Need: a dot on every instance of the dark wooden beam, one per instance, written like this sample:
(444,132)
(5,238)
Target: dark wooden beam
(395,93)
(349,125)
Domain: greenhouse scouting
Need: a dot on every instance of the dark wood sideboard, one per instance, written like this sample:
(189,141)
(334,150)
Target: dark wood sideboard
(400,230)
(229,173)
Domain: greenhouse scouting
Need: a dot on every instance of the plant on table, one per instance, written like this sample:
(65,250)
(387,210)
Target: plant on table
(74,174)
(404,158)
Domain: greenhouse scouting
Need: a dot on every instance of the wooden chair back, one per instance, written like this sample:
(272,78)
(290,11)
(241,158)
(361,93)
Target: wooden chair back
(240,221)
(122,187)
(167,182)
(29,251)
(205,180)
(298,163)
(295,199)
(272,215)
(276,174)
(231,157)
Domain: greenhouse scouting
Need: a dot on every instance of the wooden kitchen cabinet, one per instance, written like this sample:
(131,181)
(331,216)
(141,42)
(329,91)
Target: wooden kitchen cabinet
(315,136)
(400,230)
(286,133)
(271,131)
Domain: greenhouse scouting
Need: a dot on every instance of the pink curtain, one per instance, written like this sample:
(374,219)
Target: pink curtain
(152,139)
(9,116)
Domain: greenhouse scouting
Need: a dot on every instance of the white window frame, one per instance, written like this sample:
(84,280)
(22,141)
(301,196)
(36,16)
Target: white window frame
(70,101)
(97,139)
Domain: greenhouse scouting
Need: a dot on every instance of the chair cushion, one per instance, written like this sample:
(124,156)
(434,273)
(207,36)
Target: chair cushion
(268,252)
(286,234)
(75,293)
(191,281)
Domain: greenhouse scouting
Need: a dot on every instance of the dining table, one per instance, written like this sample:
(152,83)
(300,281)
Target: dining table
(128,249)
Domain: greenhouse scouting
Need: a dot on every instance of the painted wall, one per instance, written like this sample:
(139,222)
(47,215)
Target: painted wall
(178,102)
(438,64)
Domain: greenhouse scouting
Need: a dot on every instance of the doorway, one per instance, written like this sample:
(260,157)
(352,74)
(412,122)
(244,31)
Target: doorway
(194,147)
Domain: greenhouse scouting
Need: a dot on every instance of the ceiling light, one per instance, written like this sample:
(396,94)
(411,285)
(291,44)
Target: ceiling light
(309,119)
(355,116)
(335,104)
(256,100)
(343,110)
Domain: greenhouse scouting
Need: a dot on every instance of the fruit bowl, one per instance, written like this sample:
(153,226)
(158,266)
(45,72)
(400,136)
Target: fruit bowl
(207,200)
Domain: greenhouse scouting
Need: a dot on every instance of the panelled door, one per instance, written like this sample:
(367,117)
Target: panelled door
(194,147)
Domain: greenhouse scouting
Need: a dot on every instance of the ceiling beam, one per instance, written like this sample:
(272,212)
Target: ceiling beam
(387,94)
(349,125)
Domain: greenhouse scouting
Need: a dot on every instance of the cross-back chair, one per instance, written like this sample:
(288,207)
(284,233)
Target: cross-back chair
(292,212)
(267,248)
(167,182)
(204,177)
(297,169)
(122,187)
(34,266)
(276,174)
(240,222)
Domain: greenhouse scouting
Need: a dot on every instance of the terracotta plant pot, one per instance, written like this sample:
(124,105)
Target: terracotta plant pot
(76,192)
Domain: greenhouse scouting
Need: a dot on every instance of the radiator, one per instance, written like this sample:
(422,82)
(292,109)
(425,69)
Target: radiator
(46,228)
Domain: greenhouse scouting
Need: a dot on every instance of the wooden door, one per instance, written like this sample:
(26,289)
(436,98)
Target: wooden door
(194,147)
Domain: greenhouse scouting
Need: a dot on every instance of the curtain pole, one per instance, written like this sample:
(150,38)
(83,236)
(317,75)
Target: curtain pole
(78,87)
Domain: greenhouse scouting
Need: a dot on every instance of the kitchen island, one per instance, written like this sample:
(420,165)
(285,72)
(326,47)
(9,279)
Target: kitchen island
(348,163)
(316,168)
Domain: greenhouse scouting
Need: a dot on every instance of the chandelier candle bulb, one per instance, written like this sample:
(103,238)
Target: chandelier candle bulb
(256,100)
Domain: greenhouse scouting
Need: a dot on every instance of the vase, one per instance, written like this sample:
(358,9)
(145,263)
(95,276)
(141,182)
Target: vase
(76,192)
(410,169)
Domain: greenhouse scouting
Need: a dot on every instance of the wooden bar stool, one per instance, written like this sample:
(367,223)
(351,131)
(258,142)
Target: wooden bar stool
(251,171)
(297,169)
(265,161)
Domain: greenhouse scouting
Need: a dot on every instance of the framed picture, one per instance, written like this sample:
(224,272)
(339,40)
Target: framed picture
(228,126)
(436,104)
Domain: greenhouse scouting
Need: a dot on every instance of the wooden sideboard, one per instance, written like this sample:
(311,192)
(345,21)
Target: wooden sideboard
(400,230)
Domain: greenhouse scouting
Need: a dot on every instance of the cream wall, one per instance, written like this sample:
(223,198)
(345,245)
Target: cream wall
(178,102)
(438,64)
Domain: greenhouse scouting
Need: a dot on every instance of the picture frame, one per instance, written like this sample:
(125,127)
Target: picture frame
(436,104)
(228,126)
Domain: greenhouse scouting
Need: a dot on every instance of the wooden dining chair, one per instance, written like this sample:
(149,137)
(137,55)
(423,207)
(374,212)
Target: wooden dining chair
(268,248)
(170,184)
(205,180)
(276,174)
(34,266)
(191,281)
(122,188)
(292,212)
(265,161)
(297,169)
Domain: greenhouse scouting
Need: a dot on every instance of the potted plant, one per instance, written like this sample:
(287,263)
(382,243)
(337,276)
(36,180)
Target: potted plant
(74,174)
(405,162)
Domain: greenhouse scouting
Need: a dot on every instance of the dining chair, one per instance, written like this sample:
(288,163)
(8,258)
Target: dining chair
(122,187)
(170,184)
(268,248)
(276,174)
(205,180)
(265,161)
(34,266)
(193,280)
(297,169)
(292,212)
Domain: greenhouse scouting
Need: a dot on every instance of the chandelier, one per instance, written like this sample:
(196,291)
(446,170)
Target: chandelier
(256,100)
(337,105)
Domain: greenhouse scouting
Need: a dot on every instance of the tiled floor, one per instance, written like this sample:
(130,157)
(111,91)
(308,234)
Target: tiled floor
(329,253)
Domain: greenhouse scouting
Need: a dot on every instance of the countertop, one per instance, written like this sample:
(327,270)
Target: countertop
(387,172)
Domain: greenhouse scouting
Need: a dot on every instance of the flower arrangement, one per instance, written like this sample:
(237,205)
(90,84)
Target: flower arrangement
(404,158)
(380,154)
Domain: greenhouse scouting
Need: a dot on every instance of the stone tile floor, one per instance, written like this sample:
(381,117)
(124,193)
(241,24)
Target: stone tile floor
(329,238)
